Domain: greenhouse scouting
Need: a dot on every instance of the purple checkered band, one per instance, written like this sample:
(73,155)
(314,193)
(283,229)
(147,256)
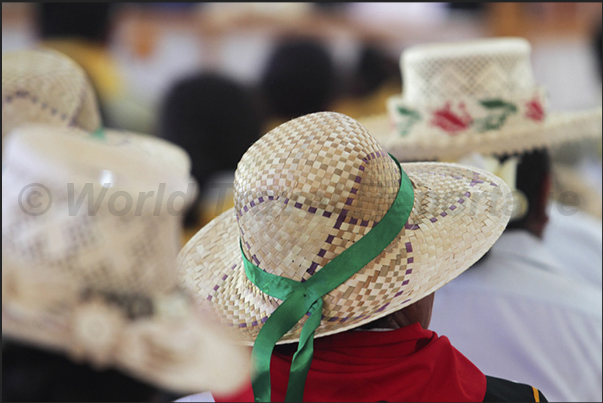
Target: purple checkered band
(216,287)
(405,301)
(224,277)
(408,246)
(410,260)
(382,308)
(443,214)
(433,219)
(408,271)
(242,324)
(398,293)
(405,282)
(254,323)
(411,227)
(493,184)
(209,297)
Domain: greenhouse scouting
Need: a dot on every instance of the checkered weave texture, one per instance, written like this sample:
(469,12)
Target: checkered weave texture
(44,86)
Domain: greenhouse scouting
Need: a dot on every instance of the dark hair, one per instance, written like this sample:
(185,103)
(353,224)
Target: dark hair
(374,68)
(215,119)
(299,78)
(34,375)
(83,20)
(532,170)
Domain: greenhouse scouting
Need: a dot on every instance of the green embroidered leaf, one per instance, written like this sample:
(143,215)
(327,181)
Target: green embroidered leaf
(409,112)
(498,103)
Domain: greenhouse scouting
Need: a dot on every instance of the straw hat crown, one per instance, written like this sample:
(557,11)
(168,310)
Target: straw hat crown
(495,68)
(298,187)
(119,241)
(43,86)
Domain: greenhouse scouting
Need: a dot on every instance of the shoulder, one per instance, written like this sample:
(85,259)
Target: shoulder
(502,390)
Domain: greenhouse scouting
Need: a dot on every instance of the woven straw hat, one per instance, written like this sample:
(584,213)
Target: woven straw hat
(89,246)
(478,96)
(312,188)
(44,86)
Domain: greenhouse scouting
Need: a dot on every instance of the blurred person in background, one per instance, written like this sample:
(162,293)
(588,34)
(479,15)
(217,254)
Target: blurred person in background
(526,310)
(215,119)
(375,78)
(82,31)
(299,78)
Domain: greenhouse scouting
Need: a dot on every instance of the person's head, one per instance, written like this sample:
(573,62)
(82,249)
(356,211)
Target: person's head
(214,118)
(299,78)
(374,69)
(87,20)
(30,374)
(533,179)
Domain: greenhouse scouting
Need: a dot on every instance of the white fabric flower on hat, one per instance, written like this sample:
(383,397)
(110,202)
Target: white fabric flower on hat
(97,328)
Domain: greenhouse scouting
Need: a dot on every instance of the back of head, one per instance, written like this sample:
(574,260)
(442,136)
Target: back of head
(88,21)
(34,375)
(533,171)
(213,118)
(374,69)
(298,79)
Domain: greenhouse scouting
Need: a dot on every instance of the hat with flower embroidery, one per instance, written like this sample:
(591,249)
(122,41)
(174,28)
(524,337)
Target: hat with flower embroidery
(478,96)
(90,234)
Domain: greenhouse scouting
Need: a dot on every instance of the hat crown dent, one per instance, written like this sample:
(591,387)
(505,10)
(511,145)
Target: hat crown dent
(308,190)
(498,67)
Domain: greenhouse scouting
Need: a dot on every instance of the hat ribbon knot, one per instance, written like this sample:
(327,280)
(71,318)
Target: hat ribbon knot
(305,298)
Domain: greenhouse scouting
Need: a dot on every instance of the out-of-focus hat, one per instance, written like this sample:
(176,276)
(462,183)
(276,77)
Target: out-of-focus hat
(90,234)
(44,86)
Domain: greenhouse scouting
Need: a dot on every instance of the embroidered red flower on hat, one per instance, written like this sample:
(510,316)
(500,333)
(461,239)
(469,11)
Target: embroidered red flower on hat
(535,110)
(452,122)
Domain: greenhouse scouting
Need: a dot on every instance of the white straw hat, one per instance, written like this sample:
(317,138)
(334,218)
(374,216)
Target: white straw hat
(89,247)
(478,96)
(44,86)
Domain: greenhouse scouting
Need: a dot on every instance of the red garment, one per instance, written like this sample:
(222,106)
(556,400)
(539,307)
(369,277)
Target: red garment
(407,364)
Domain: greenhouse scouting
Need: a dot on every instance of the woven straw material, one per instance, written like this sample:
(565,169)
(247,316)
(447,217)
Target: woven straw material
(477,96)
(308,190)
(43,86)
(99,282)
(558,129)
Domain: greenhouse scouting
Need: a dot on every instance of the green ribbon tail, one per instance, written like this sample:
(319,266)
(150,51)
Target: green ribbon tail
(300,365)
(279,323)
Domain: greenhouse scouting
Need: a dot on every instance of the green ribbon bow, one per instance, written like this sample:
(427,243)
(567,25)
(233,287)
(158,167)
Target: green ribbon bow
(305,298)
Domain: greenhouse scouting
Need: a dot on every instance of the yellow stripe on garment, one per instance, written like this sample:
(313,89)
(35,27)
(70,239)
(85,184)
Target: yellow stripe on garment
(536,394)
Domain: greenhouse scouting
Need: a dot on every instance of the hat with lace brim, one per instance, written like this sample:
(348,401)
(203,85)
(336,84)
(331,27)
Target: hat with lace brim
(89,246)
(44,86)
(476,96)
(329,232)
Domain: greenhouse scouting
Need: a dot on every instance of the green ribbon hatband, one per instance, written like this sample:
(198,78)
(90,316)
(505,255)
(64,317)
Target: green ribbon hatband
(304,298)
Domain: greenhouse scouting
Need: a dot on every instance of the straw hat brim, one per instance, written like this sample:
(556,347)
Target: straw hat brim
(457,216)
(558,128)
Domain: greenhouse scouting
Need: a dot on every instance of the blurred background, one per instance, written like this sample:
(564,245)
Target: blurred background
(288,59)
